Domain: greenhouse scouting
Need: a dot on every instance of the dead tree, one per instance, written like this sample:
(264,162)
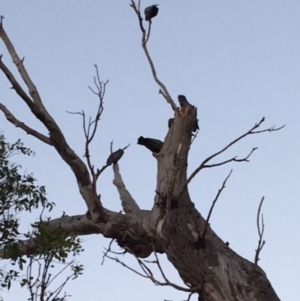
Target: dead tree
(207,265)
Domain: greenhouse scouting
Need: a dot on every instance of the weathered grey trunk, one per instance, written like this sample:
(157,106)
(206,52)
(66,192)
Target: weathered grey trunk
(209,264)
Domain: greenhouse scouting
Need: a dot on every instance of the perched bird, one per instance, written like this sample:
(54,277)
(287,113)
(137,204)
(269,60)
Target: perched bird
(183,104)
(151,12)
(115,156)
(183,101)
(196,126)
(153,145)
(170,122)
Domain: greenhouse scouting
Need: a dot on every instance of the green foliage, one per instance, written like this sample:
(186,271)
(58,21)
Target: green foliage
(19,193)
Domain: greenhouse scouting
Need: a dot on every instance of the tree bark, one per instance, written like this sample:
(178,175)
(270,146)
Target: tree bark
(208,263)
(174,226)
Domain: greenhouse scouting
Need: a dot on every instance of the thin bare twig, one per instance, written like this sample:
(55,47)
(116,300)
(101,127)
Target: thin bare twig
(260,231)
(116,259)
(234,159)
(213,204)
(148,274)
(148,32)
(144,46)
(250,132)
(90,127)
(194,137)
(107,251)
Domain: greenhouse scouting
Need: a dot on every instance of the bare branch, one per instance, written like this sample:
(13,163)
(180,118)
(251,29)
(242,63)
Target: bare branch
(250,132)
(148,33)
(213,204)
(11,118)
(116,259)
(144,46)
(99,171)
(90,127)
(194,137)
(128,202)
(192,290)
(79,225)
(56,136)
(19,64)
(234,159)
(149,275)
(260,231)
(107,251)
(15,85)
(101,89)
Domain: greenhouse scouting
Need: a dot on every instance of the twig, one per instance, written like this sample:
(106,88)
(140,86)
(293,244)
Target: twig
(250,132)
(148,33)
(90,127)
(213,204)
(116,259)
(194,137)
(234,159)
(144,46)
(260,231)
(147,273)
(107,251)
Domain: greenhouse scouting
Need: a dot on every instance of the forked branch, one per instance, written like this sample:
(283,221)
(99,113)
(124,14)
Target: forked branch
(148,274)
(260,229)
(90,126)
(253,130)
(57,139)
(163,89)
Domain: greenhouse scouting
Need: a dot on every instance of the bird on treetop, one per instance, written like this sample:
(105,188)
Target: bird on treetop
(183,101)
(151,12)
(153,145)
(184,107)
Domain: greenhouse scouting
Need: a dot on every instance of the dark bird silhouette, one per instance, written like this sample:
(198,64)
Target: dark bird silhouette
(115,156)
(183,101)
(170,122)
(184,104)
(196,126)
(153,145)
(151,12)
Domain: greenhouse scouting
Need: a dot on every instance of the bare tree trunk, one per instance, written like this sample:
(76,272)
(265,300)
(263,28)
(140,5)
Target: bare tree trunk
(205,263)
(208,264)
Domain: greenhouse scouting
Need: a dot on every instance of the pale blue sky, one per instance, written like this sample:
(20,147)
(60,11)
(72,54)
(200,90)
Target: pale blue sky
(237,61)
